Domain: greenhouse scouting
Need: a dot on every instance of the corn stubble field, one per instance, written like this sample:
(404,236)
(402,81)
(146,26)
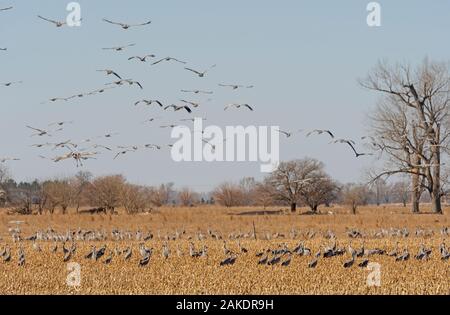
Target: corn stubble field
(45,272)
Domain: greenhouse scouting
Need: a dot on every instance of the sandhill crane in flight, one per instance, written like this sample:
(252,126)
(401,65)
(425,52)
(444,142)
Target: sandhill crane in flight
(123,153)
(56,99)
(149,102)
(150,120)
(167,59)
(8,84)
(41,145)
(119,48)
(64,144)
(197,92)
(129,81)
(168,126)
(110,72)
(199,73)
(60,123)
(57,23)
(178,108)
(6,159)
(40,132)
(192,119)
(142,59)
(96,146)
(288,134)
(319,132)
(79,157)
(236,86)
(351,144)
(238,106)
(126,26)
(193,104)
(152,146)
(99,91)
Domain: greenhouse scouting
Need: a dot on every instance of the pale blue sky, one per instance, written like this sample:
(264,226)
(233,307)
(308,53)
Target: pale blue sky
(304,58)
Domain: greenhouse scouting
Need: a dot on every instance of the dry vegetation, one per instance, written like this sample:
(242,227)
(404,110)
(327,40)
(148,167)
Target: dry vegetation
(45,272)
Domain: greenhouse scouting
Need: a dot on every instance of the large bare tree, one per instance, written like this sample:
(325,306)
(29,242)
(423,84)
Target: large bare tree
(302,181)
(411,126)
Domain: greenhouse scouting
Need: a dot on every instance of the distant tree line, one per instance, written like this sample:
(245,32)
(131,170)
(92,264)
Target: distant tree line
(295,183)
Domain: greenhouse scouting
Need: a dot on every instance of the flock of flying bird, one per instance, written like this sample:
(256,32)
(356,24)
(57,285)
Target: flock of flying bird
(67,244)
(89,148)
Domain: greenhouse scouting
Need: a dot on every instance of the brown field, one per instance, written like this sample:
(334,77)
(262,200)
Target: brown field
(46,273)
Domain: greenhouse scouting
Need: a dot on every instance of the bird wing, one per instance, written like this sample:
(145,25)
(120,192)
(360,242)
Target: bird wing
(170,106)
(159,61)
(111,22)
(4,9)
(48,20)
(36,129)
(177,60)
(142,24)
(248,106)
(187,109)
(353,148)
(192,70)
(118,76)
(283,132)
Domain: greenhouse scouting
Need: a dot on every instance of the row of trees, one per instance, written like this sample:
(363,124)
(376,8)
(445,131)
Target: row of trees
(305,182)
(106,193)
(300,182)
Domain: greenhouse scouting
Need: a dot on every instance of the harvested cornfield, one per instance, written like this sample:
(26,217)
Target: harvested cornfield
(187,255)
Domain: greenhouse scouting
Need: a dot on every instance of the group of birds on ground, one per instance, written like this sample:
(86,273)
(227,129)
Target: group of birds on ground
(74,151)
(67,244)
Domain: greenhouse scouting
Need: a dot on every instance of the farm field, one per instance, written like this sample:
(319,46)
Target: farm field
(45,272)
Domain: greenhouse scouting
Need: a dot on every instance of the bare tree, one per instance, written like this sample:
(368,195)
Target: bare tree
(228,195)
(4,174)
(264,194)
(247,186)
(50,196)
(187,197)
(401,191)
(355,195)
(302,181)
(412,127)
(320,190)
(161,196)
(134,198)
(106,192)
(81,183)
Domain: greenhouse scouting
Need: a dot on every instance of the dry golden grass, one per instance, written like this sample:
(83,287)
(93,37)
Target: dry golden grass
(46,273)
